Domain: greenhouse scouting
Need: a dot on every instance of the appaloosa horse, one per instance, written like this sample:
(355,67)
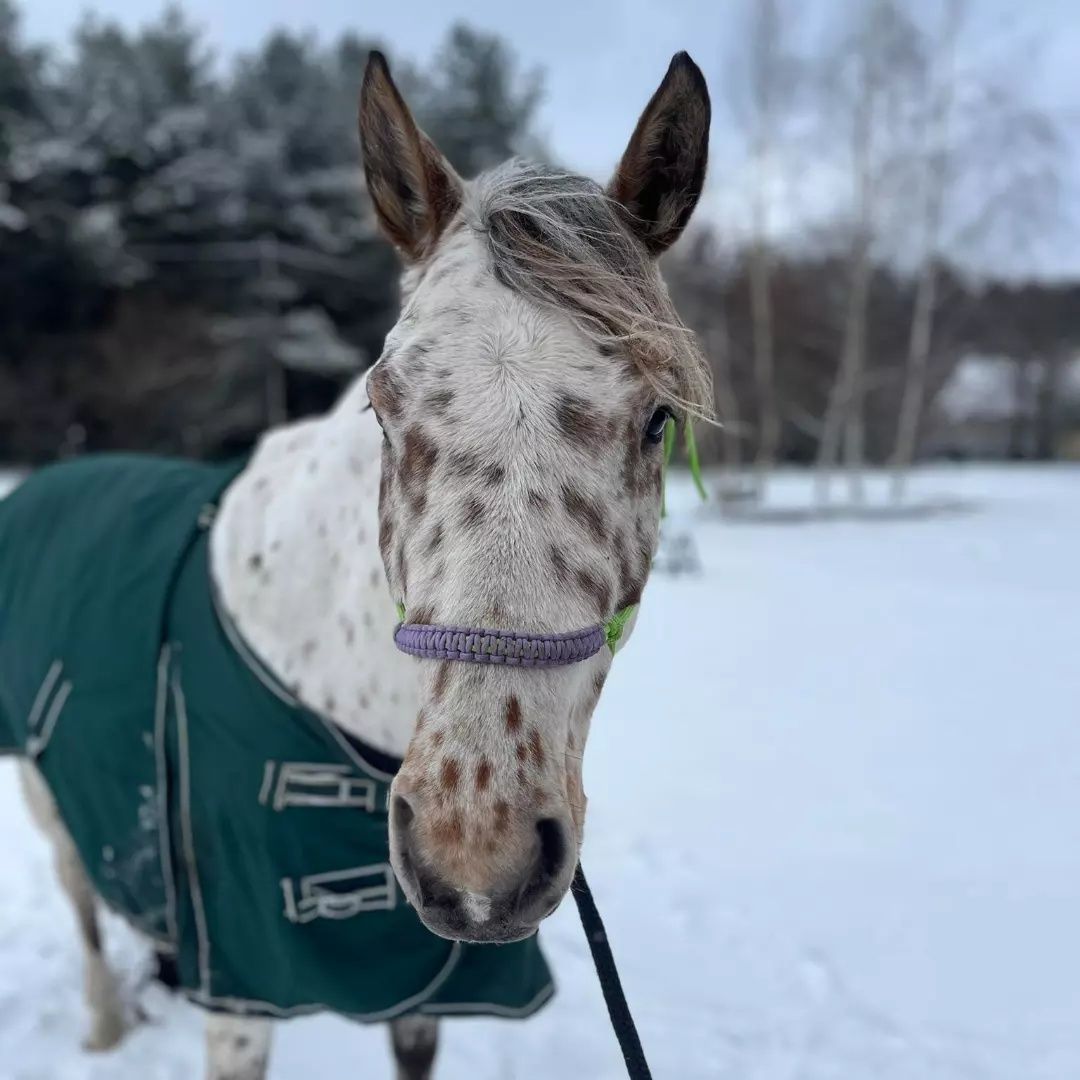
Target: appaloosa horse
(518,411)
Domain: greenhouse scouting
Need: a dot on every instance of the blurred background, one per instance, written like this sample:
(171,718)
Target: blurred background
(854,848)
(886,266)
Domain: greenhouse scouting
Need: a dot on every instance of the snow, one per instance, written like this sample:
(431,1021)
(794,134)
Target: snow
(834,824)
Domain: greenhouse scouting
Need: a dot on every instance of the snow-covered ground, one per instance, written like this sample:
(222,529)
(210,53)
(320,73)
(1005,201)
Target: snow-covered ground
(834,824)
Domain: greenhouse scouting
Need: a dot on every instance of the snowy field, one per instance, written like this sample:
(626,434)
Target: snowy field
(834,825)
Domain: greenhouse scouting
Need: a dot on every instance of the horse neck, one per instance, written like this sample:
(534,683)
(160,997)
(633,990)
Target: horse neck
(295,559)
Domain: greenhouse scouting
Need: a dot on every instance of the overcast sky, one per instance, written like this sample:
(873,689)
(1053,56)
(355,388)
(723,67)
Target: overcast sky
(603,58)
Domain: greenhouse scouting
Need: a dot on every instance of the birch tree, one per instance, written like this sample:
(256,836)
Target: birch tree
(936,158)
(884,51)
(769,82)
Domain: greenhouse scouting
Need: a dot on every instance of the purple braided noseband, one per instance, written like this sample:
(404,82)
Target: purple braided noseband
(478,646)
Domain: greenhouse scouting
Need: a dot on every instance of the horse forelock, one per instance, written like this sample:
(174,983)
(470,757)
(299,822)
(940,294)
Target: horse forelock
(561,240)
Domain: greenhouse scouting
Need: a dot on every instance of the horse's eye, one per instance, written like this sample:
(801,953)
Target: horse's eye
(654,430)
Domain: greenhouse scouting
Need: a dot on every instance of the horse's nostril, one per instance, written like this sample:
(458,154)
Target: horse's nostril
(401,812)
(552,847)
(539,895)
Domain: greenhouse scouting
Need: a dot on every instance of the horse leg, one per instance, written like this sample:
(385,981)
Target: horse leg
(237,1047)
(415,1039)
(107,1025)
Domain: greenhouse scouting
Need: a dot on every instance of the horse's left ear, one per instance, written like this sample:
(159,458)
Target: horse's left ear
(663,170)
(413,187)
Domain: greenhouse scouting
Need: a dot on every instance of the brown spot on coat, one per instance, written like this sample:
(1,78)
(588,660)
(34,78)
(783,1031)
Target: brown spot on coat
(631,577)
(417,465)
(562,567)
(449,831)
(483,774)
(439,401)
(597,589)
(513,715)
(386,532)
(450,775)
(384,392)
(465,464)
(522,751)
(641,463)
(419,457)
(536,749)
(473,513)
(586,511)
(577,423)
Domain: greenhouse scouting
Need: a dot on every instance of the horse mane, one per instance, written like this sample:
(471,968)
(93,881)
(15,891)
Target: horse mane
(562,240)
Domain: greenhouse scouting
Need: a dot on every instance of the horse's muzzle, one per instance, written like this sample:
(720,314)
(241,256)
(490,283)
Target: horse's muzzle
(509,914)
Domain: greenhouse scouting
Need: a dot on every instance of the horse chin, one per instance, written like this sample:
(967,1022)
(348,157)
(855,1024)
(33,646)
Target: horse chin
(488,933)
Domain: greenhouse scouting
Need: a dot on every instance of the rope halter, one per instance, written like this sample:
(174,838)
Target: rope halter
(475,645)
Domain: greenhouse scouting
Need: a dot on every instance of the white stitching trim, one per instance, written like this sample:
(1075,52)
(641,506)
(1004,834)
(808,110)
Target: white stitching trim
(187,834)
(242,1006)
(268,782)
(298,783)
(464,1008)
(36,744)
(317,900)
(250,661)
(44,690)
(164,832)
(353,756)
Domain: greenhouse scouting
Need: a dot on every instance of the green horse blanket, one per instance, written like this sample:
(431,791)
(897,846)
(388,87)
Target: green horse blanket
(244,834)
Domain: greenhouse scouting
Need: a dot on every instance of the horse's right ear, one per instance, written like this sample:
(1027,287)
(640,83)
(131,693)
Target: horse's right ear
(662,171)
(413,187)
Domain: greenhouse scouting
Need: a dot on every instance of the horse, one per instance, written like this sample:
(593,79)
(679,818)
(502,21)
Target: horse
(500,467)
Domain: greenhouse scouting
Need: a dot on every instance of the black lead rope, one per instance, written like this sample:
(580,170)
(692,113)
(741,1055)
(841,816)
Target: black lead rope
(625,1031)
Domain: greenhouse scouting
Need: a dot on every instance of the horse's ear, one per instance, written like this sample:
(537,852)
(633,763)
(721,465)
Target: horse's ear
(413,187)
(663,169)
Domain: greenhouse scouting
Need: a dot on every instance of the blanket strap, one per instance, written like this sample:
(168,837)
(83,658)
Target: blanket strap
(637,1067)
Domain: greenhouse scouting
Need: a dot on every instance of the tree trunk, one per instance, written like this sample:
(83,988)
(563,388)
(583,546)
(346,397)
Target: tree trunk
(764,377)
(1020,421)
(844,414)
(848,382)
(936,179)
(855,427)
(1047,406)
(918,362)
(727,402)
(766,45)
